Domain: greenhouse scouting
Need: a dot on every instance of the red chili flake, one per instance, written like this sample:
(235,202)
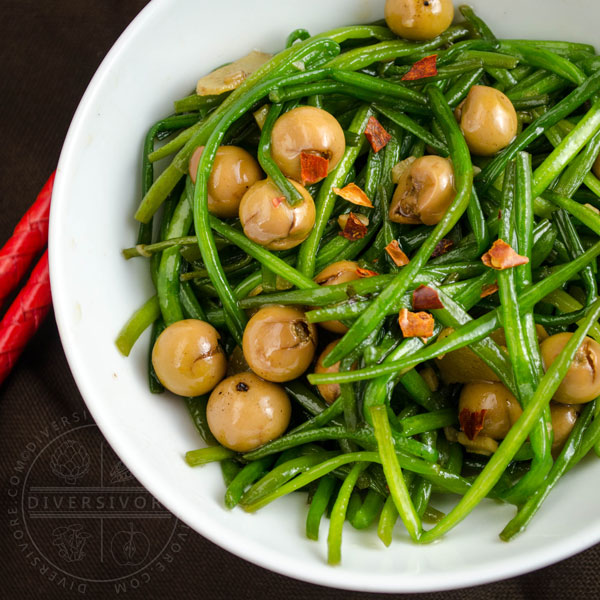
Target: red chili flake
(426,67)
(443,246)
(471,422)
(488,290)
(313,167)
(396,254)
(354,229)
(277,201)
(426,298)
(378,137)
(354,194)
(362,273)
(501,256)
(416,324)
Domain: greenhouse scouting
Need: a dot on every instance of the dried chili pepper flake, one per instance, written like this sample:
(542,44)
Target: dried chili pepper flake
(277,201)
(353,226)
(396,254)
(471,422)
(488,290)
(426,298)
(501,256)
(443,246)
(426,67)
(354,194)
(416,324)
(313,167)
(378,137)
(343,219)
(365,272)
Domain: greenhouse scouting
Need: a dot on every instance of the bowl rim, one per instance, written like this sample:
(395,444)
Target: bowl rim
(270,560)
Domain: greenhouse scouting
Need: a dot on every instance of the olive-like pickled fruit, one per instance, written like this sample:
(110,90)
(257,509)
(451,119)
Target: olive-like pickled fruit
(310,130)
(424,192)
(582,382)
(419,19)
(234,171)
(502,408)
(329,391)
(279,343)
(245,412)
(270,221)
(487,119)
(342,271)
(464,366)
(187,358)
(564,417)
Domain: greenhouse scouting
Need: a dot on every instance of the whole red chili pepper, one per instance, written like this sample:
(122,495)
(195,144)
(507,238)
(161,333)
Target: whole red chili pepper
(24,316)
(29,238)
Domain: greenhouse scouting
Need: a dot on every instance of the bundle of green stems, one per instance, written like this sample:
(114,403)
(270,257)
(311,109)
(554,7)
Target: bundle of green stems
(382,449)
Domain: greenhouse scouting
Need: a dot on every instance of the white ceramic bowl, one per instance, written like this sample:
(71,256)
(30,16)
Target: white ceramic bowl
(156,60)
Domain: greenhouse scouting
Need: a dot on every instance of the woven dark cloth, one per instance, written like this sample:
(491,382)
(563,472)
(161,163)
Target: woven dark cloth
(48,53)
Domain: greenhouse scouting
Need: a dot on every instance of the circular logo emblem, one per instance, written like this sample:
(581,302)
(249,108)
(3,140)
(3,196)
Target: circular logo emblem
(82,513)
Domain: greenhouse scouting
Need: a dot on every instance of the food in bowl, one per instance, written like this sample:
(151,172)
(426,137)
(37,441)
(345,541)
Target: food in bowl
(464,194)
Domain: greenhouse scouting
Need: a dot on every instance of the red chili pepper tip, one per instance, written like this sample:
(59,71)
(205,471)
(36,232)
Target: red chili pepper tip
(29,238)
(24,316)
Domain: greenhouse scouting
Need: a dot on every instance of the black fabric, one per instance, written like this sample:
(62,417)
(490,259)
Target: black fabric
(49,50)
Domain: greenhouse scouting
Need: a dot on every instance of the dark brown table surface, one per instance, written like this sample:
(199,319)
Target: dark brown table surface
(49,50)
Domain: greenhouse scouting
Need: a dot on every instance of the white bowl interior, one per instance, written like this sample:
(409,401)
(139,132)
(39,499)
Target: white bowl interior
(157,60)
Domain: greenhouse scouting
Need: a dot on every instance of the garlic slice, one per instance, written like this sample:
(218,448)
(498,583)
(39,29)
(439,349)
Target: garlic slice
(227,78)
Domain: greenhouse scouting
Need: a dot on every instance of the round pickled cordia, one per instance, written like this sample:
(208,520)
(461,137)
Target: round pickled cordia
(279,343)
(464,366)
(234,171)
(564,417)
(329,391)
(582,382)
(187,358)
(245,412)
(419,19)
(424,192)
(342,271)
(306,129)
(502,408)
(487,119)
(270,221)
